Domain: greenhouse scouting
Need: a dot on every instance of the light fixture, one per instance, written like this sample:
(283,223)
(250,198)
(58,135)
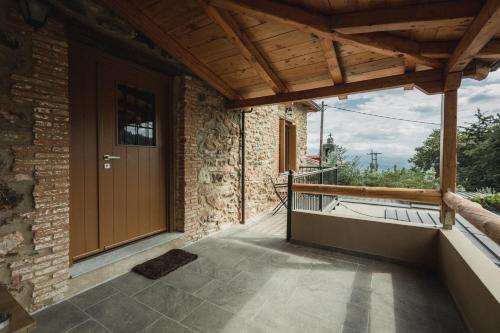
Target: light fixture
(34,12)
(288,111)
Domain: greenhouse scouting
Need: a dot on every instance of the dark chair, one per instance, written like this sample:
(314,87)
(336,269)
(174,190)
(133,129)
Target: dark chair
(281,191)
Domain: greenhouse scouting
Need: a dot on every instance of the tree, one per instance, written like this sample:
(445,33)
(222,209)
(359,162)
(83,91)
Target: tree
(478,153)
(427,156)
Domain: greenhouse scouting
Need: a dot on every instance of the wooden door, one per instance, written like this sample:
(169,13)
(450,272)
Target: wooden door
(117,109)
(132,186)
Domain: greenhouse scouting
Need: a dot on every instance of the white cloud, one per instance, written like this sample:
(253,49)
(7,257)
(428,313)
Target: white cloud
(396,140)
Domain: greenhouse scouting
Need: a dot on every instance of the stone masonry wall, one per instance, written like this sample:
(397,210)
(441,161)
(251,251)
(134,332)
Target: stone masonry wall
(208,161)
(262,153)
(34,163)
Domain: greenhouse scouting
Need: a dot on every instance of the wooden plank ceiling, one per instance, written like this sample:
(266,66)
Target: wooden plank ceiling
(255,48)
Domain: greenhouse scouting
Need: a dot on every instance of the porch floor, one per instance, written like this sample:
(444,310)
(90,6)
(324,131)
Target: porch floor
(249,281)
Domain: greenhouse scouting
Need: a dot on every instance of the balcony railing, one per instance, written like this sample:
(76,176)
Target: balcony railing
(313,201)
(484,220)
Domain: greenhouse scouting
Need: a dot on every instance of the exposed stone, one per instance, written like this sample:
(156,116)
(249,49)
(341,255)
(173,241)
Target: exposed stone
(8,197)
(10,242)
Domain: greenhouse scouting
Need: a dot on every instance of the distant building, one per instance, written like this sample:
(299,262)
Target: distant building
(328,148)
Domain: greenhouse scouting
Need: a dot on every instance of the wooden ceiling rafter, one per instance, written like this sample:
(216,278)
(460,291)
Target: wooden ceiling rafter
(332,60)
(484,26)
(443,49)
(142,22)
(320,26)
(247,48)
(430,81)
(408,17)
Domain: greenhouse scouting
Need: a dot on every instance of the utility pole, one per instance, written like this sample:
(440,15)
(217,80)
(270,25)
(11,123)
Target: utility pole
(321,135)
(374,157)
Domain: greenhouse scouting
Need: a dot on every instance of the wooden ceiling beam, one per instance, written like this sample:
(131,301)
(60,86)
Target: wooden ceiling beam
(484,26)
(444,49)
(241,40)
(430,81)
(142,22)
(331,59)
(418,16)
(320,26)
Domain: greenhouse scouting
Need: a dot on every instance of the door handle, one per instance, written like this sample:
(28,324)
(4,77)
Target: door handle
(110,157)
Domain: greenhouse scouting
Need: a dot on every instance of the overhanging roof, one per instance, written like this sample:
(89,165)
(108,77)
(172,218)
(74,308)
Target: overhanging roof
(268,51)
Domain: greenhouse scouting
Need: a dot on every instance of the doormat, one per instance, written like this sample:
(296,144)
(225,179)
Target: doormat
(164,264)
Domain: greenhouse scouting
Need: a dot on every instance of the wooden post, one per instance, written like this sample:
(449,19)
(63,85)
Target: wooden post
(289,207)
(448,159)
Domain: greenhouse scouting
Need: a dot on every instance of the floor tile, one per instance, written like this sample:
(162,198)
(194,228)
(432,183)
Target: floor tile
(59,318)
(210,318)
(239,301)
(120,313)
(131,283)
(172,302)
(245,281)
(208,267)
(90,326)
(278,318)
(92,296)
(186,280)
(166,325)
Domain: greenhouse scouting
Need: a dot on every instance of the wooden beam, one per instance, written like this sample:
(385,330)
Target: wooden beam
(444,49)
(486,221)
(482,29)
(410,67)
(448,156)
(331,59)
(142,22)
(433,77)
(319,26)
(240,39)
(389,45)
(418,16)
(404,194)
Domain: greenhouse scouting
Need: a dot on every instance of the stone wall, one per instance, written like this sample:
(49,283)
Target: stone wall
(208,159)
(34,160)
(262,153)
(34,163)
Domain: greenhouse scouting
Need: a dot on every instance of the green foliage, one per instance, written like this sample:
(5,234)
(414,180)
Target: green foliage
(397,178)
(489,201)
(427,156)
(478,153)
(350,173)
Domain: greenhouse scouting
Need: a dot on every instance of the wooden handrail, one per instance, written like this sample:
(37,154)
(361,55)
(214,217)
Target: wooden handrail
(484,220)
(404,194)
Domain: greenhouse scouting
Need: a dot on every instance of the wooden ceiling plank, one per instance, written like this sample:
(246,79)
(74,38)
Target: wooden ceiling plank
(430,79)
(318,25)
(416,16)
(331,59)
(226,22)
(482,29)
(143,23)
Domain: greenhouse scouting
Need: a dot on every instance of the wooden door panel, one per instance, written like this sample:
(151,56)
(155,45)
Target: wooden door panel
(144,192)
(138,176)
(110,207)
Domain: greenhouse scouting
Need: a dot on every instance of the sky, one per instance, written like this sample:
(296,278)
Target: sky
(396,140)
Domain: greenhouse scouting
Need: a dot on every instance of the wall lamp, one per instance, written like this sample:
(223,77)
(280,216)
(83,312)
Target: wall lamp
(34,12)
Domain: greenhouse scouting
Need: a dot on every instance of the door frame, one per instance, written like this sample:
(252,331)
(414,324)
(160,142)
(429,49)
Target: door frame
(99,56)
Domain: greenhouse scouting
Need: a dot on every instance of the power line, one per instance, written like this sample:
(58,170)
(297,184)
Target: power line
(385,117)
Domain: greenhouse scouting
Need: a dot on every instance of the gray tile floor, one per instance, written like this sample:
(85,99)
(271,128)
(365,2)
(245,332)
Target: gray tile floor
(245,281)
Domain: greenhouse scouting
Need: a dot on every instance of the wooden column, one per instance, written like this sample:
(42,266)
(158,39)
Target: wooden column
(448,160)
